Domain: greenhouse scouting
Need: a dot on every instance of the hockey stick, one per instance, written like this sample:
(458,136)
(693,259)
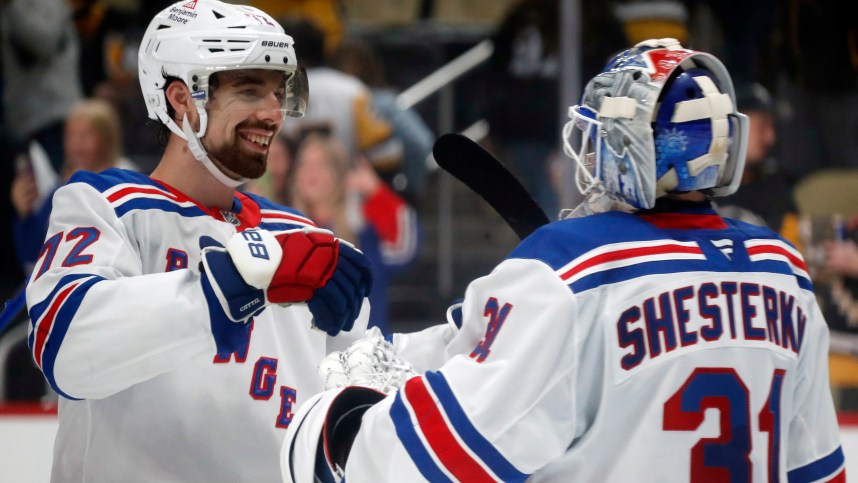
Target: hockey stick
(13,308)
(485,175)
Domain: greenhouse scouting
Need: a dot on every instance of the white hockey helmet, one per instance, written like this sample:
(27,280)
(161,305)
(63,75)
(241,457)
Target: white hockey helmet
(191,40)
(659,119)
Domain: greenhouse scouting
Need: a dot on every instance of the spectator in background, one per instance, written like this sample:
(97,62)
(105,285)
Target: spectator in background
(523,81)
(92,143)
(102,31)
(819,67)
(765,195)
(359,59)
(841,256)
(342,104)
(110,39)
(837,290)
(353,202)
(40,67)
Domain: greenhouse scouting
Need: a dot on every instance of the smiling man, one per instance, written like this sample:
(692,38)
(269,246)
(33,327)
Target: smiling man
(163,307)
(247,111)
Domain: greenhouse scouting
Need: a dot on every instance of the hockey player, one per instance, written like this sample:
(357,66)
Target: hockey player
(642,337)
(160,304)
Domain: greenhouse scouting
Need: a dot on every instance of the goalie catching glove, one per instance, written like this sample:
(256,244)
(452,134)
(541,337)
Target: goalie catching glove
(326,425)
(370,362)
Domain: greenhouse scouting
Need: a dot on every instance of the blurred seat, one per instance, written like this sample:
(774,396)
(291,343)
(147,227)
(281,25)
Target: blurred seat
(483,13)
(381,13)
(828,192)
(843,369)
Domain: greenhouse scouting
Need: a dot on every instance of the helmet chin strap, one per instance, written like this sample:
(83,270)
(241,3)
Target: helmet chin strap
(196,147)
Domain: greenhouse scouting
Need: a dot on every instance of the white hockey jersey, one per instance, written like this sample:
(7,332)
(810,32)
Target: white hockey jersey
(120,329)
(667,347)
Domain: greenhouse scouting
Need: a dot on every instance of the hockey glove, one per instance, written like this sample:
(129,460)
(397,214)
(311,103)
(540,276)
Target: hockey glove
(371,361)
(336,305)
(257,269)
(251,272)
(226,293)
(309,260)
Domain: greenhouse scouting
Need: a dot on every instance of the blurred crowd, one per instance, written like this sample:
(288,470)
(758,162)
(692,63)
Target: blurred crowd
(357,162)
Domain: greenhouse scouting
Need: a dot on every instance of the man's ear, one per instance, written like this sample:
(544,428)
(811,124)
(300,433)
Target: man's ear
(179,97)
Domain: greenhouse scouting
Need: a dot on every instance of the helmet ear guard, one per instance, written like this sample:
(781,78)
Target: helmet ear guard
(668,123)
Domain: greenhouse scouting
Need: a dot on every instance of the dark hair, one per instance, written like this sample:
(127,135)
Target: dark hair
(163,132)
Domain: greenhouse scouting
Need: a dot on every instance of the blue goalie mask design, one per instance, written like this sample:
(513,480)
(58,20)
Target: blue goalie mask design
(659,119)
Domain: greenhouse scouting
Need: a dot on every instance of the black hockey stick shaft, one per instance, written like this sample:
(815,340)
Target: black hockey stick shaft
(484,174)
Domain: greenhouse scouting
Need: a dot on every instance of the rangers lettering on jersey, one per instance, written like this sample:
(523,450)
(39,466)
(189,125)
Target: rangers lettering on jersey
(696,317)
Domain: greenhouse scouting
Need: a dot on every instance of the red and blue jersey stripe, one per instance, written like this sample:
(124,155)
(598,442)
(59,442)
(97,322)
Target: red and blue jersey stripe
(50,320)
(831,468)
(440,439)
(127,191)
(588,253)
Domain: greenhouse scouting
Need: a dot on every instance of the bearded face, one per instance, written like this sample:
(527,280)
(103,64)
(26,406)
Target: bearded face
(244,116)
(243,151)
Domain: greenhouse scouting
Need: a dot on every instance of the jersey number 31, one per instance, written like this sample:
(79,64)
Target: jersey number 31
(727,457)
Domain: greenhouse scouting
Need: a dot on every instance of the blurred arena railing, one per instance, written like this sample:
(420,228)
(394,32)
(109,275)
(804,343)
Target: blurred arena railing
(442,82)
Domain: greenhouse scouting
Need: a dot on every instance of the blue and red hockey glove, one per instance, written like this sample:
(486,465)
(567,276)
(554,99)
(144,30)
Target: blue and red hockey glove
(257,269)
(336,305)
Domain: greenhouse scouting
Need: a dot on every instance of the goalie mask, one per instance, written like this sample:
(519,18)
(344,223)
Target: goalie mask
(193,40)
(659,119)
